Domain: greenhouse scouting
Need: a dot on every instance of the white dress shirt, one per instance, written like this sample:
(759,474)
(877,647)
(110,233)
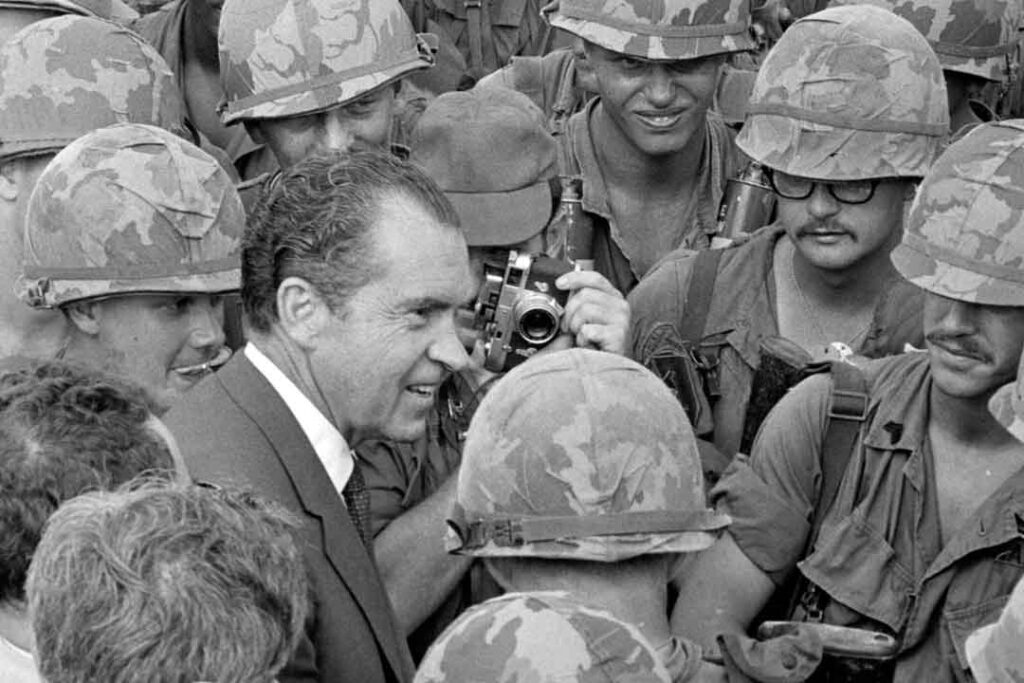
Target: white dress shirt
(327,441)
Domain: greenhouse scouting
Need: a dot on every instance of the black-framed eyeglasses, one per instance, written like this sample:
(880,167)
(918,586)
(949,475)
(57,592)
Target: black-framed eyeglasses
(845,191)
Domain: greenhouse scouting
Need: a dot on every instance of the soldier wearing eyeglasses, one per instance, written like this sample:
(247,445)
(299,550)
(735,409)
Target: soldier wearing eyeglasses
(845,128)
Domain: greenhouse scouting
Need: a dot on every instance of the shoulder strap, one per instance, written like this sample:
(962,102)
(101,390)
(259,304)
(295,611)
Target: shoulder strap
(847,411)
(698,298)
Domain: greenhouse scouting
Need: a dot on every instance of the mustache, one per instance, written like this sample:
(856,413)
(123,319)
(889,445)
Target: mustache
(962,345)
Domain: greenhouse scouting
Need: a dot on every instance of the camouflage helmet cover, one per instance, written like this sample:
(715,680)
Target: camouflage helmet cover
(993,651)
(282,58)
(130,209)
(543,637)
(964,237)
(659,29)
(115,10)
(583,455)
(848,93)
(974,37)
(56,86)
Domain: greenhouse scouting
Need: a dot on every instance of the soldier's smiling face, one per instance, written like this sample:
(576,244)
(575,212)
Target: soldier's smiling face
(657,105)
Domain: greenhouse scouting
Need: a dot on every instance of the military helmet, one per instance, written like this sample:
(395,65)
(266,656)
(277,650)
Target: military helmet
(848,93)
(56,86)
(658,29)
(115,10)
(964,238)
(974,37)
(130,209)
(580,454)
(282,58)
(544,637)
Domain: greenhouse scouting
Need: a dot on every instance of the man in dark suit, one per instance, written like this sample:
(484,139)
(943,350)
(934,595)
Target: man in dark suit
(352,270)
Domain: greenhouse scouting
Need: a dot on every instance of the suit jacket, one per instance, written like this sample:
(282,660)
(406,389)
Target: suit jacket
(234,428)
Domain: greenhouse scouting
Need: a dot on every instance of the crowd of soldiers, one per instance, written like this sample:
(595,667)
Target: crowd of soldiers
(482,341)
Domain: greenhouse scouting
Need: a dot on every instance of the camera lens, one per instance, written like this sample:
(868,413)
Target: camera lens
(537,318)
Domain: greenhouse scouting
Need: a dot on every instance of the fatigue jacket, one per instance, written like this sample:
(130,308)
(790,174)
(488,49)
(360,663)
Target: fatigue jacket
(879,557)
(742,314)
(615,250)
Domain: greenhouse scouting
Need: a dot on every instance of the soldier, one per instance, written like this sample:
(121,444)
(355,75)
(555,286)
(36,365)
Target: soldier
(310,75)
(17,14)
(133,234)
(976,42)
(849,109)
(489,152)
(652,159)
(543,637)
(54,87)
(920,539)
(580,473)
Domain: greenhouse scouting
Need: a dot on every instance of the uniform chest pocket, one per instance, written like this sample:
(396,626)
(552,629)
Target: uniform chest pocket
(858,568)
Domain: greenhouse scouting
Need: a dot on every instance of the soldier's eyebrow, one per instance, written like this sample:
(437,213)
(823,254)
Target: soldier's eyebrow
(427,303)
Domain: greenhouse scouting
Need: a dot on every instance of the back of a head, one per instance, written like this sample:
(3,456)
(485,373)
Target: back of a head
(131,209)
(964,238)
(55,86)
(64,431)
(166,584)
(317,221)
(490,152)
(540,638)
(848,93)
(973,37)
(581,455)
(658,29)
(284,58)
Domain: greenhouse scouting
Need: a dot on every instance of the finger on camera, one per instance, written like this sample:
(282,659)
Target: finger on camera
(599,312)
(580,279)
(601,337)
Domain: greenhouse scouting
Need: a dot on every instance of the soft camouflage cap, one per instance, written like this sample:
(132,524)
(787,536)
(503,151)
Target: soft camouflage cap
(994,651)
(583,455)
(55,85)
(974,37)
(489,150)
(543,637)
(1008,405)
(281,58)
(964,238)
(849,93)
(131,209)
(659,29)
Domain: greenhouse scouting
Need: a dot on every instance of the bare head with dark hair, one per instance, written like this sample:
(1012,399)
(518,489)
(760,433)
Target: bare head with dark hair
(64,431)
(172,584)
(317,223)
(353,267)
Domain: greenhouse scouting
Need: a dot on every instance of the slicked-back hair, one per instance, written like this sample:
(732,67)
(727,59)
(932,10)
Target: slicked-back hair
(167,584)
(64,430)
(316,222)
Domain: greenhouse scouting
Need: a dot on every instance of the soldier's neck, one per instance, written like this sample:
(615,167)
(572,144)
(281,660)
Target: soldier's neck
(15,627)
(626,167)
(967,421)
(200,41)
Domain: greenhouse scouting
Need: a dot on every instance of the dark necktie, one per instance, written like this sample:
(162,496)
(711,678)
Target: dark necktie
(357,499)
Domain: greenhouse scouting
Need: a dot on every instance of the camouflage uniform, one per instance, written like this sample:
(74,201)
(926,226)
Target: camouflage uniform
(543,637)
(847,94)
(880,561)
(130,209)
(672,30)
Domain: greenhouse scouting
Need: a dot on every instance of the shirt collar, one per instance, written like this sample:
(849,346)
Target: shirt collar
(330,446)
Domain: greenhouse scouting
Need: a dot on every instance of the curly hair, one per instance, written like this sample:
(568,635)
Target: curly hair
(167,584)
(316,222)
(64,430)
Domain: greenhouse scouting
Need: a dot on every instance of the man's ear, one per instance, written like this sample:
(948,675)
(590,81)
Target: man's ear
(8,182)
(301,311)
(85,315)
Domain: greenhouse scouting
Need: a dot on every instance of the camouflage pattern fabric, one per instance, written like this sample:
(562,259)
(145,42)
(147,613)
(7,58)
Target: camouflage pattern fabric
(130,209)
(1008,404)
(974,37)
(584,455)
(848,93)
(964,238)
(543,637)
(114,10)
(658,29)
(55,85)
(994,652)
(282,58)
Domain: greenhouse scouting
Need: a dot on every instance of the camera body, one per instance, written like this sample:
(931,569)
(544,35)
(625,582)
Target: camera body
(519,310)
